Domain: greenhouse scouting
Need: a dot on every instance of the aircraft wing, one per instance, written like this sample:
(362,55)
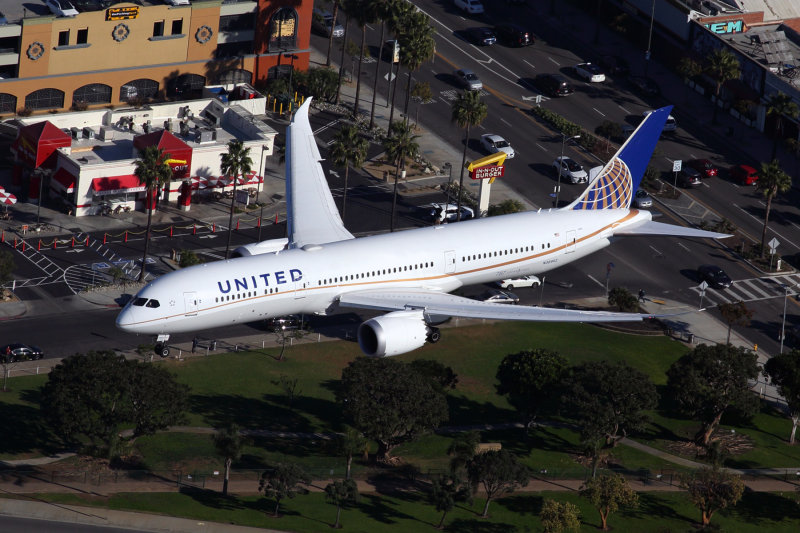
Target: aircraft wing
(312,215)
(443,304)
(659,228)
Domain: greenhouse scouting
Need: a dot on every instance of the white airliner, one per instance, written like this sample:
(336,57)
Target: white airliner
(322,267)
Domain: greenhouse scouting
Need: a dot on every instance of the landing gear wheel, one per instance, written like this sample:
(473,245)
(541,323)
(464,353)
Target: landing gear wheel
(162,349)
(434,336)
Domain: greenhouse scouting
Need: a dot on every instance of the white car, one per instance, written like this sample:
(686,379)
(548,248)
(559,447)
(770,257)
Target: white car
(670,125)
(522,281)
(62,8)
(441,212)
(177,2)
(590,72)
(473,7)
(494,143)
(497,296)
(570,170)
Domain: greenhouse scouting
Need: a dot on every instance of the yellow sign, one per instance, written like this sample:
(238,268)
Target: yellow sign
(495,159)
(122,13)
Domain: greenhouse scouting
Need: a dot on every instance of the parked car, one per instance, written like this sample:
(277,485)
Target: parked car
(513,35)
(744,175)
(714,276)
(669,125)
(645,86)
(11,353)
(62,8)
(494,143)
(553,84)
(496,296)
(615,65)
(448,212)
(689,178)
(570,170)
(473,7)
(288,322)
(468,79)
(590,72)
(178,2)
(522,281)
(642,200)
(704,167)
(482,36)
(322,22)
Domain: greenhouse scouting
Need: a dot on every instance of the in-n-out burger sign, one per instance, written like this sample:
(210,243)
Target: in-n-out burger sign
(489,167)
(490,172)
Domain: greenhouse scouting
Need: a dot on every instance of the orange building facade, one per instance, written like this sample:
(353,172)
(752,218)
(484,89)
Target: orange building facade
(131,52)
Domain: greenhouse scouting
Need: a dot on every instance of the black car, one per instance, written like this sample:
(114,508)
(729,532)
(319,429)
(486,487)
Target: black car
(11,353)
(689,178)
(714,276)
(646,86)
(482,36)
(553,84)
(513,35)
(615,65)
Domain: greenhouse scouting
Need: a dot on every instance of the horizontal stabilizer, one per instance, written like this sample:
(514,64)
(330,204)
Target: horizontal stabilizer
(659,228)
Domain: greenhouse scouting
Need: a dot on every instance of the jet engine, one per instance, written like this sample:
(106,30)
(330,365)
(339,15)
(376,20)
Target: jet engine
(264,247)
(395,333)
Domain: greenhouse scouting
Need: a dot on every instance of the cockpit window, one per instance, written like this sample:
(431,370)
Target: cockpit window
(139,301)
(152,303)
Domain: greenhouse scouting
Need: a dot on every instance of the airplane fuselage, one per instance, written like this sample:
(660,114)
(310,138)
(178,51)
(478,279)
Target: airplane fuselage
(311,279)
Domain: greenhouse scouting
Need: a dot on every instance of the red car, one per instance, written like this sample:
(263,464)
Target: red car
(744,175)
(704,167)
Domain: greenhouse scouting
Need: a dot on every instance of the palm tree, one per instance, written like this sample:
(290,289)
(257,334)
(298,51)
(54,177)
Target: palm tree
(468,110)
(399,144)
(398,22)
(348,148)
(780,105)
(234,163)
(688,68)
(153,172)
(330,37)
(367,12)
(722,66)
(383,10)
(419,48)
(229,443)
(771,181)
(341,59)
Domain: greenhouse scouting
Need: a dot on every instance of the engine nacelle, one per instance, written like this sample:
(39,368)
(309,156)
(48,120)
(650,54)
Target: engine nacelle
(393,334)
(263,247)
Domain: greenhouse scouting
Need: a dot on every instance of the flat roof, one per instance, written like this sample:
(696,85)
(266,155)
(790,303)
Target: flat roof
(15,11)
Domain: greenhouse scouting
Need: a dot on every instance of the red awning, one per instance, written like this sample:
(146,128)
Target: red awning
(65,179)
(117,185)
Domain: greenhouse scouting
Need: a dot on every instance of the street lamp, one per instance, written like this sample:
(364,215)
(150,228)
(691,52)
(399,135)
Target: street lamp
(561,163)
(449,167)
(783,324)
(649,37)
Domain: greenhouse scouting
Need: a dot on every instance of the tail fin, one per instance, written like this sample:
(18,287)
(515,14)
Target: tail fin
(615,185)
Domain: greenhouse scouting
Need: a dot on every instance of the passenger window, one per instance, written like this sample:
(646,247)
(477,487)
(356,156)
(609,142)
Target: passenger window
(139,302)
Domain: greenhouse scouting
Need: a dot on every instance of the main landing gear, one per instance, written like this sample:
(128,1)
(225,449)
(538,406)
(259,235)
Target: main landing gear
(161,347)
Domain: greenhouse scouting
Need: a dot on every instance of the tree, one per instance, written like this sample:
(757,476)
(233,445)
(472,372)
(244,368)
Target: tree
(365,12)
(688,68)
(234,163)
(321,83)
(713,489)
(723,67)
(389,402)
(530,379)
(89,397)
(558,517)
(780,105)
(505,207)
(341,493)
(351,443)
(608,493)
(228,442)
(498,472)
(622,299)
(462,450)
(7,266)
(283,481)
(418,48)
(348,148)
(468,110)
(784,371)
(330,37)
(399,144)
(400,14)
(735,314)
(771,181)
(383,10)
(446,490)
(709,381)
(153,172)
(421,93)
(442,377)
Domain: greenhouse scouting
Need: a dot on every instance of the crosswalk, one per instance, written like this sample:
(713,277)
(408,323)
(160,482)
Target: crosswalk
(753,290)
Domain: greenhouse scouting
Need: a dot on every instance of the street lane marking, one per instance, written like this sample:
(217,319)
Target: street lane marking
(507,123)
(591,278)
(628,112)
(540,146)
(529,64)
(656,251)
(600,112)
(554,61)
(683,246)
(785,239)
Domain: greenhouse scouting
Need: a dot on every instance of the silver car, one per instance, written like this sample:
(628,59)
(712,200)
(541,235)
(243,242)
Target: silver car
(468,79)
(642,200)
(322,22)
(497,296)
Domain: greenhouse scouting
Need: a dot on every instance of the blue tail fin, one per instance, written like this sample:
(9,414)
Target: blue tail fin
(615,185)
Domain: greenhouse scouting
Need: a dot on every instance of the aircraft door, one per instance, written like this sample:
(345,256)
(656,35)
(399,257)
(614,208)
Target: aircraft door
(449,262)
(299,291)
(190,302)
(571,243)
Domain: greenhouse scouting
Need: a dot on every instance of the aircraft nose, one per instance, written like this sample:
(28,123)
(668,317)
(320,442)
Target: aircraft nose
(126,319)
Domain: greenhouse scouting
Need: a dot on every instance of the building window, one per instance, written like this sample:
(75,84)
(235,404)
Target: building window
(45,99)
(94,93)
(63,38)
(83,36)
(8,103)
(177,27)
(158,29)
(235,76)
(186,85)
(143,88)
(283,30)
